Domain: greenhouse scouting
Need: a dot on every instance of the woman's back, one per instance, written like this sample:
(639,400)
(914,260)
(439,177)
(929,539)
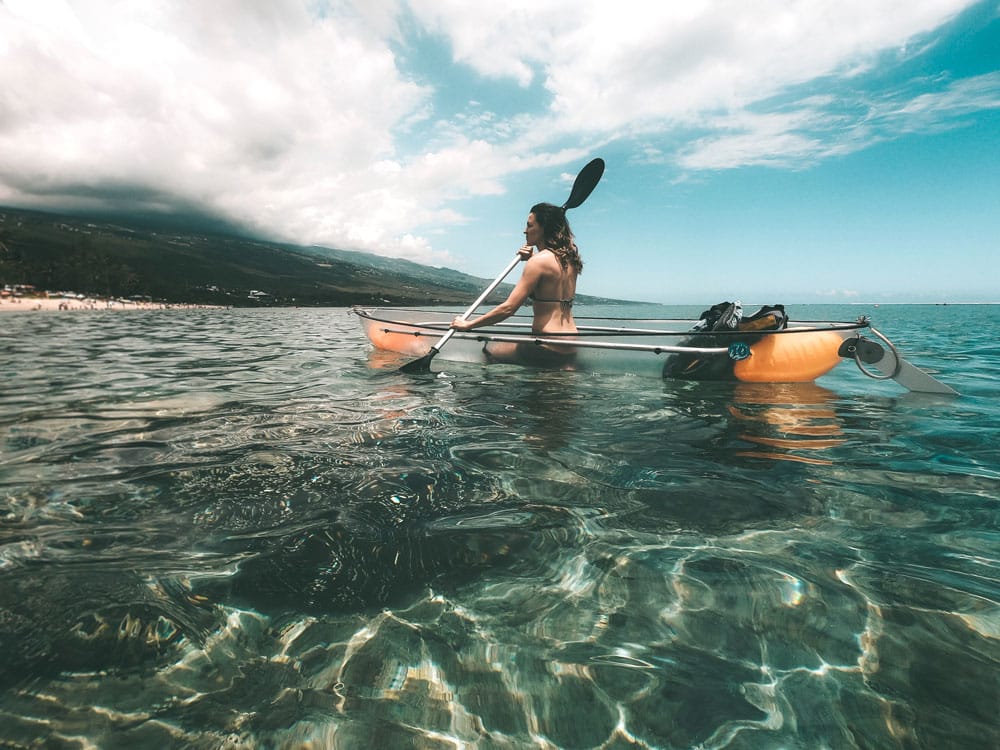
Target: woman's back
(552,297)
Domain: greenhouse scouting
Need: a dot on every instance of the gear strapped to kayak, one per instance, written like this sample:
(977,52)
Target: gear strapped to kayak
(727,318)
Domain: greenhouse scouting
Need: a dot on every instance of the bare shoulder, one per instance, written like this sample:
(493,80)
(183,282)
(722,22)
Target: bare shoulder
(544,260)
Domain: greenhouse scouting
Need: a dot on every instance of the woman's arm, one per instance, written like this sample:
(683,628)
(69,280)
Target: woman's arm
(518,296)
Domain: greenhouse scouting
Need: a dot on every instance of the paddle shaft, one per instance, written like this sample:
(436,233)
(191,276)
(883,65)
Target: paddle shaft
(479,300)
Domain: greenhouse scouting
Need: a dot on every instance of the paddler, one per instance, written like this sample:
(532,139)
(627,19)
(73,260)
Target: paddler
(548,279)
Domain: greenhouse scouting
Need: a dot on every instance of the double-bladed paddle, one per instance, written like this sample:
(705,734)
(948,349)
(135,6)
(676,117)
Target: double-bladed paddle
(583,186)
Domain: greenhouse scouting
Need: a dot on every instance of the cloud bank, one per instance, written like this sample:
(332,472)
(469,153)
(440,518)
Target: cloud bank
(310,121)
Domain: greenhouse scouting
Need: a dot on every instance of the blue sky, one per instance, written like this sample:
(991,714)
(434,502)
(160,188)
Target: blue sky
(801,151)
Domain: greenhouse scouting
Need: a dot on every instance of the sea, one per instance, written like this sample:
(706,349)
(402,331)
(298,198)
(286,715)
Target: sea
(244,529)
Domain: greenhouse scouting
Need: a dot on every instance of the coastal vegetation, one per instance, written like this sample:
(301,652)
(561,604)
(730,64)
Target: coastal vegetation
(178,262)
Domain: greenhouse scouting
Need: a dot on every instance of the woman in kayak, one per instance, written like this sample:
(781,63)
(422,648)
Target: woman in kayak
(548,280)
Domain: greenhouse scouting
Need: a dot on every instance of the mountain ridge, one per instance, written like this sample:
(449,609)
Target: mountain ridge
(205,262)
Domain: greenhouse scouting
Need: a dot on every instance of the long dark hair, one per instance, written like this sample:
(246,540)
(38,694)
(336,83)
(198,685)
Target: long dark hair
(558,236)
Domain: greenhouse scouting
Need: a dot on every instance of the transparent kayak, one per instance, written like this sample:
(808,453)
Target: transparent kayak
(654,347)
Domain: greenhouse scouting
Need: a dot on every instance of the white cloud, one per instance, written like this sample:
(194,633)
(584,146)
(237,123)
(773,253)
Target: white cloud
(823,127)
(928,111)
(845,293)
(297,117)
(265,112)
(632,65)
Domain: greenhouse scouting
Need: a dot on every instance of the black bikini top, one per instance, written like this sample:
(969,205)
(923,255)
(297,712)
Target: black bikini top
(567,302)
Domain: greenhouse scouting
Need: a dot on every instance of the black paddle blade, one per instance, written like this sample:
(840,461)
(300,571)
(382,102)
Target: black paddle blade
(421,365)
(585,183)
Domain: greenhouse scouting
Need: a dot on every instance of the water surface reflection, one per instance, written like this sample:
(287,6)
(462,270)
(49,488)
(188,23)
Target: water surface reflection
(232,531)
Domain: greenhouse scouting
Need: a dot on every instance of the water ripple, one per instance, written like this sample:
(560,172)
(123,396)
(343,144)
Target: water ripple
(230,529)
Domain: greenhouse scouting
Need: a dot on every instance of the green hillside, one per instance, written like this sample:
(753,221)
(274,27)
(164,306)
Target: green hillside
(135,257)
(89,256)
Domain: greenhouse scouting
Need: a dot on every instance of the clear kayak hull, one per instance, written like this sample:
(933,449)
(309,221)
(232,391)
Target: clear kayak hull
(801,352)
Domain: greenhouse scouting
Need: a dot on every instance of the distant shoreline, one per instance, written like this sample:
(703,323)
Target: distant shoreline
(40,302)
(64,304)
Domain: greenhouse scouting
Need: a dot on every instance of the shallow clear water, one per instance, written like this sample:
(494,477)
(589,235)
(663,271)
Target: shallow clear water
(242,529)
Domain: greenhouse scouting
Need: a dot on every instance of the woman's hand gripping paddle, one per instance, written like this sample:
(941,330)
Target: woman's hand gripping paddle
(583,186)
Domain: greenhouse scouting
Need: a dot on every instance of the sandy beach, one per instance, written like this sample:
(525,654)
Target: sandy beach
(55,304)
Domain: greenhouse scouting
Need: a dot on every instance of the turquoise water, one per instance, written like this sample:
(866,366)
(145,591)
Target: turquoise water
(242,529)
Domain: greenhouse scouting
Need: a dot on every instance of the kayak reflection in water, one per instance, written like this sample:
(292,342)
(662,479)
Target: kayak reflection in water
(548,280)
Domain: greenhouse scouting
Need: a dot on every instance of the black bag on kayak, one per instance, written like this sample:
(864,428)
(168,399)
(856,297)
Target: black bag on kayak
(718,327)
(767,318)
